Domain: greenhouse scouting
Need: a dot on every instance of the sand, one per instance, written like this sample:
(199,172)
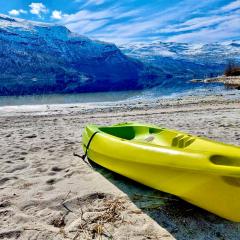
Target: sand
(47,193)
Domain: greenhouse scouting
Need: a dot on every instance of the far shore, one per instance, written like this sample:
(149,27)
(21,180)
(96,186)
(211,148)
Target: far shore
(230,82)
(48,193)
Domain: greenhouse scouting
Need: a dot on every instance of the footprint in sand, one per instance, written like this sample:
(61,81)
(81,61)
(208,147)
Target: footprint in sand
(52,181)
(30,136)
(89,200)
(52,173)
(6,213)
(34,149)
(40,169)
(23,153)
(50,150)
(17,168)
(8,161)
(56,169)
(6,179)
(13,234)
(5,204)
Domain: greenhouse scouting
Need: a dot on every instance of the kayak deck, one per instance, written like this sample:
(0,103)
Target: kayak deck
(200,171)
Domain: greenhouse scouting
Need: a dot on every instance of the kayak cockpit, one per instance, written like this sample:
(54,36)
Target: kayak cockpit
(150,135)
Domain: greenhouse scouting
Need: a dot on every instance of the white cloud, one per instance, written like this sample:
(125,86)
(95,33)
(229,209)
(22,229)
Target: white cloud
(57,14)
(38,9)
(195,24)
(86,26)
(91,15)
(146,25)
(91,2)
(85,21)
(16,12)
(188,20)
(130,30)
(231,6)
(224,31)
(96,2)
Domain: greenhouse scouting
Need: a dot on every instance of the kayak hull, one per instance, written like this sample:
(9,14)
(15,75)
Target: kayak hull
(213,187)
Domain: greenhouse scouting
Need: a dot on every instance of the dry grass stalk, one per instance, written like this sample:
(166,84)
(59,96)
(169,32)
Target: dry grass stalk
(138,196)
(95,227)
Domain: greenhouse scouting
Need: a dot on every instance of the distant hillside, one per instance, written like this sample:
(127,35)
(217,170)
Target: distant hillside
(183,61)
(43,58)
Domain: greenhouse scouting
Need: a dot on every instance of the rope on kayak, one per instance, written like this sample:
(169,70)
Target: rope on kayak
(84,156)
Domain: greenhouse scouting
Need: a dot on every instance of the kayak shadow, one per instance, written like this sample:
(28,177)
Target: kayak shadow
(182,219)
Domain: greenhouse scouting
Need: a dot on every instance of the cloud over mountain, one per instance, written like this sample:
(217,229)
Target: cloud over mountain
(134,20)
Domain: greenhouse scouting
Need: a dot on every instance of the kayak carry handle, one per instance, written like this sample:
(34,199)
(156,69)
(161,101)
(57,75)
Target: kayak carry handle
(225,160)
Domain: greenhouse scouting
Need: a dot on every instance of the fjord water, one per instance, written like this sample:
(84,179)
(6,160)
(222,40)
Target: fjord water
(98,97)
(67,98)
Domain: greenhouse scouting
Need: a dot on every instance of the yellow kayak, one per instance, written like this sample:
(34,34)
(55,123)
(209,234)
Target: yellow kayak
(201,171)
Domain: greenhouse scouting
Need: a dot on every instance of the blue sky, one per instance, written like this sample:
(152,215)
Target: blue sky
(123,21)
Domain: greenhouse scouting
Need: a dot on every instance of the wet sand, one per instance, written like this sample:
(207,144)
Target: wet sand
(47,193)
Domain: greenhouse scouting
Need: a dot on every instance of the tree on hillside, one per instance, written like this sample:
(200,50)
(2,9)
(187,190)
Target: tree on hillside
(232,69)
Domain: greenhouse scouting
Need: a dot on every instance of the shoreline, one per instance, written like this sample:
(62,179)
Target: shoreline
(226,97)
(46,192)
(101,98)
(231,82)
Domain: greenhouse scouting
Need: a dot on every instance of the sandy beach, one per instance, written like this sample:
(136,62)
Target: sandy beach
(47,193)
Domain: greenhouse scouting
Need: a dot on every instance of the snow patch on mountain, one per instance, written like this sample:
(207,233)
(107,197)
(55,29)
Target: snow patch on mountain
(43,58)
(184,61)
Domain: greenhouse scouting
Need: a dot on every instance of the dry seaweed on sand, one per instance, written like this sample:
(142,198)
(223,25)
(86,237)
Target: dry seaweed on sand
(95,226)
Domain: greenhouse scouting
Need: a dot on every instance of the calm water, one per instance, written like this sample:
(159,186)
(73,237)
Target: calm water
(67,98)
(157,92)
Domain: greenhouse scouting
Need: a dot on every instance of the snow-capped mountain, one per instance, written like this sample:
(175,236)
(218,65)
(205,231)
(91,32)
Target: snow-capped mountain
(43,58)
(40,58)
(185,61)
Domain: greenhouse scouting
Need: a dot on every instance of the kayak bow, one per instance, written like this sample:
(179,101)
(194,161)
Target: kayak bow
(203,172)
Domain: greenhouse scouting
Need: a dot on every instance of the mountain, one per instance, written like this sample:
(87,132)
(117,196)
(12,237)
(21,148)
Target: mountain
(38,58)
(44,58)
(183,61)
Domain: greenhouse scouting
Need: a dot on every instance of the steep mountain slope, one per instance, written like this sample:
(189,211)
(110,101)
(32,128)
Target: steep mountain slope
(44,58)
(183,61)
